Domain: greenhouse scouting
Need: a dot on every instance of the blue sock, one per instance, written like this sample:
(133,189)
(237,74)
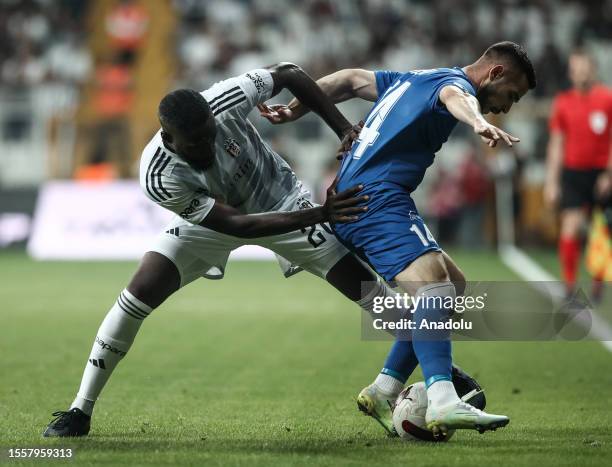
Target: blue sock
(401,360)
(433,347)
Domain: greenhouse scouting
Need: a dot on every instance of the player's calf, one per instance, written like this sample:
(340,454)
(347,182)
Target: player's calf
(112,342)
(155,280)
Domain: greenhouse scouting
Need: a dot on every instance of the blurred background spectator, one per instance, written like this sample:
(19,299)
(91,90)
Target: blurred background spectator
(58,115)
(113,99)
(126,26)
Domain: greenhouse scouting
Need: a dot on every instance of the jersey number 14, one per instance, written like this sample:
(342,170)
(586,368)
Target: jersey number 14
(369,133)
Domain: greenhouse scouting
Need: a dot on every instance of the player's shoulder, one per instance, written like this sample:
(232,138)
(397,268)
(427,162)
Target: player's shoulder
(224,95)
(437,78)
(608,96)
(453,73)
(158,170)
(239,94)
(602,91)
(437,74)
(151,148)
(564,101)
(602,97)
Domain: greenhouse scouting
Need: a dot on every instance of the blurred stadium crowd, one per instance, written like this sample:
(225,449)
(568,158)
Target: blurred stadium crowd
(219,37)
(43,41)
(49,60)
(46,40)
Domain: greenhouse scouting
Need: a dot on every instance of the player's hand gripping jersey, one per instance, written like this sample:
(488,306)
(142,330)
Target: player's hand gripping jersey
(246,174)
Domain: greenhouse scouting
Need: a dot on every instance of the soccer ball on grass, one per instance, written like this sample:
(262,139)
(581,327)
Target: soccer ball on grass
(409,415)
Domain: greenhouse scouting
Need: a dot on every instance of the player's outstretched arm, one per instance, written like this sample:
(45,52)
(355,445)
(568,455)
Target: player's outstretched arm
(292,77)
(339,87)
(466,108)
(338,207)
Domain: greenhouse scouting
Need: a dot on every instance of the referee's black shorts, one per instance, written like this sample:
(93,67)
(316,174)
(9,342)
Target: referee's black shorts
(578,189)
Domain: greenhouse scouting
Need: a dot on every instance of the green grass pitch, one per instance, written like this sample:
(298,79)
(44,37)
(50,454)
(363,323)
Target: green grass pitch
(260,370)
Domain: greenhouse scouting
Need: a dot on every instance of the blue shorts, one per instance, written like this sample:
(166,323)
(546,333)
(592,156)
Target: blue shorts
(391,235)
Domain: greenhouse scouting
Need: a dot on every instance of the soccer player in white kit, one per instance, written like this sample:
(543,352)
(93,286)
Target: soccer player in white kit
(228,188)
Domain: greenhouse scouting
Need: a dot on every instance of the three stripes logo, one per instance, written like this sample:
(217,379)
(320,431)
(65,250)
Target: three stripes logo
(227,100)
(131,308)
(154,173)
(99,363)
(174,231)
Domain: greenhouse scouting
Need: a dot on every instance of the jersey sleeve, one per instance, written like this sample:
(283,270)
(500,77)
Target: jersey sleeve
(242,93)
(384,79)
(450,80)
(192,204)
(556,120)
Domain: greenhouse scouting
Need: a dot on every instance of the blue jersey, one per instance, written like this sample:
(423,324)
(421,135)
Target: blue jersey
(404,129)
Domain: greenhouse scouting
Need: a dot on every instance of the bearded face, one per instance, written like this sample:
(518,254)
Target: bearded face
(501,89)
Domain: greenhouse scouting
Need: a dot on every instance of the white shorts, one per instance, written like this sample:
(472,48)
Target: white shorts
(200,252)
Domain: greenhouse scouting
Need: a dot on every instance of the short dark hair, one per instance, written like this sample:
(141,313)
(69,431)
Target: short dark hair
(516,55)
(183,109)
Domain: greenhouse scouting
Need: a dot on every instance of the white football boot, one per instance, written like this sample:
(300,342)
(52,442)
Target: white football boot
(461,415)
(378,405)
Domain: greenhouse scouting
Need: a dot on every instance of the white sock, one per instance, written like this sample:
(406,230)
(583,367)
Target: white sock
(388,385)
(441,393)
(114,339)
(380,289)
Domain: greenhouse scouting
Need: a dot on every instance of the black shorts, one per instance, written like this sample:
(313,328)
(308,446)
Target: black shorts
(578,188)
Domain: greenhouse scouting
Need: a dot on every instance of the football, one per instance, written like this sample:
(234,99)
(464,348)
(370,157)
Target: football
(409,415)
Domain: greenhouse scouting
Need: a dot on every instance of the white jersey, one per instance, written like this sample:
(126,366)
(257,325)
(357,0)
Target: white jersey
(246,173)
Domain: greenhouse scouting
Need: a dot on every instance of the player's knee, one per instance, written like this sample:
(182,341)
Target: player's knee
(571,223)
(440,275)
(429,268)
(438,272)
(351,277)
(438,289)
(459,281)
(435,296)
(149,291)
(142,291)
(155,280)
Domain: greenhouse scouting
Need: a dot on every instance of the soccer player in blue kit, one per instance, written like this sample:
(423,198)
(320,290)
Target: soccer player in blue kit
(413,115)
